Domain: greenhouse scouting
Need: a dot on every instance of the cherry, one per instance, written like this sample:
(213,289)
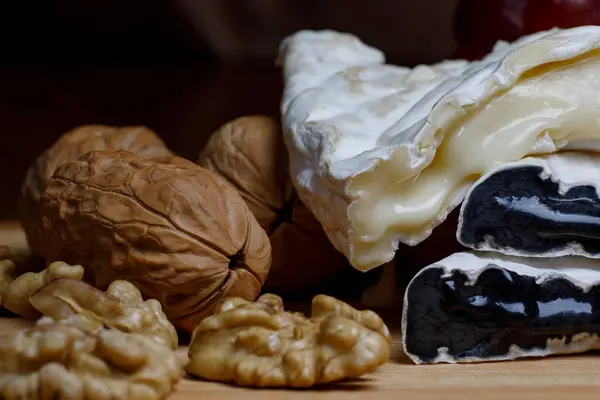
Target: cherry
(479,24)
(540,15)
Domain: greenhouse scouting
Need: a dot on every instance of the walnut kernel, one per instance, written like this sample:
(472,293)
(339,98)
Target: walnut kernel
(259,344)
(71,360)
(18,291)
(121,307)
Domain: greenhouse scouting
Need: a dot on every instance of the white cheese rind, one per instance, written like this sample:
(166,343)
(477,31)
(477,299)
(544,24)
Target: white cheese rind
(359,131)
(568,169)
(579,343)
(582,272)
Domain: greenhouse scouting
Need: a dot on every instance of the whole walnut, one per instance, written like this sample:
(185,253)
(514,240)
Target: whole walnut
(69,147)
(250,153)
(179,233)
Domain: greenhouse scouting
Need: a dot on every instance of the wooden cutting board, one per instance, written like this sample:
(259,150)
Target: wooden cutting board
(572,378)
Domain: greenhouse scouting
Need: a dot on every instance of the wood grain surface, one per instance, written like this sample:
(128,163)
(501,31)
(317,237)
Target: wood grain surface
(575,377)
(552,378)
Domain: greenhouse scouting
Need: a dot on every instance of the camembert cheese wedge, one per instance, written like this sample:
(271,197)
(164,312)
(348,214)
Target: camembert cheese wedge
(381,154)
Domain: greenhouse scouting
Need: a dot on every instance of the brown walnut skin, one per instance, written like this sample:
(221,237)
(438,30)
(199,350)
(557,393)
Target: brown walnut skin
(179,233)
(69,147)
(121,307)
(18,292)
(250,153)
(78,359)
(259,344)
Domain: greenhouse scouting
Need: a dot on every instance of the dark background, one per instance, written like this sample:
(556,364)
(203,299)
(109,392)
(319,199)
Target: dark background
(180,67)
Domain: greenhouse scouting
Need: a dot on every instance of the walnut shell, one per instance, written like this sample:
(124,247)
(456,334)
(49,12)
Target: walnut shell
(179,233)
(69,147)
(250,153)
(83,139)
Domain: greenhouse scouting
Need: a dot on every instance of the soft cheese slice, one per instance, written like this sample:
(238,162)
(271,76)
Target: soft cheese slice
(544,206)
(473,307)
(381,154)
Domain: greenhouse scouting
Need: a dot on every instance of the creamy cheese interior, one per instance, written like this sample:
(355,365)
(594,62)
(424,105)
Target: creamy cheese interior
(559,100)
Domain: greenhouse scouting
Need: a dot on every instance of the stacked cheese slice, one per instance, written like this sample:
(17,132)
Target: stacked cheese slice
(382,154)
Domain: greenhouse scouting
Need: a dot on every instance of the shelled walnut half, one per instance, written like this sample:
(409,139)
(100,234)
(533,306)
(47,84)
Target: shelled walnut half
(178,232)
(75,359)
(121,307)
(69,147)
(17,291)
(250,153)
(259,344)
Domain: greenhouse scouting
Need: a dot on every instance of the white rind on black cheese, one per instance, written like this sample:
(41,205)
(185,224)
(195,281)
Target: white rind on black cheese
(483,306)
(543,206)
(381,154)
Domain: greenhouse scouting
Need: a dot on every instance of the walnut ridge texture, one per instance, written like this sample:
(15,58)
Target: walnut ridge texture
(259,344)
(179,233)
(74,359)
(121,307)
(17,292)
(249,152)
(69,147)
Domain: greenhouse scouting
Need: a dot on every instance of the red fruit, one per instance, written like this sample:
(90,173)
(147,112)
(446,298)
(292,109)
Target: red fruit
(540,15)
(479,24)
